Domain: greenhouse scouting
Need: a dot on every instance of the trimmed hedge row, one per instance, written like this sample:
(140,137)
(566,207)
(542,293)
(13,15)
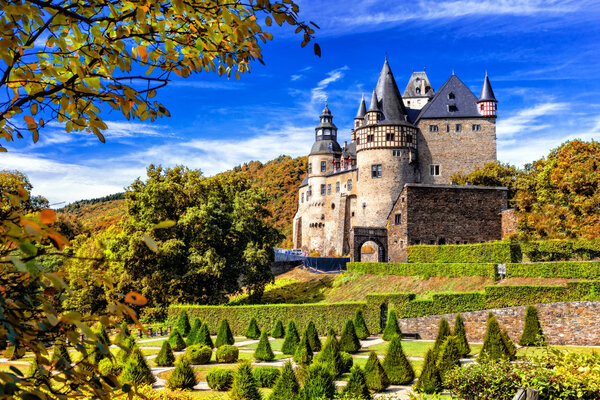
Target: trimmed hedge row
(566,269)
(560,250)
(492,252)
(424,269)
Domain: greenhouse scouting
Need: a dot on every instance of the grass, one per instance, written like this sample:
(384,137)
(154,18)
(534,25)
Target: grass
(275,345)
(412,348)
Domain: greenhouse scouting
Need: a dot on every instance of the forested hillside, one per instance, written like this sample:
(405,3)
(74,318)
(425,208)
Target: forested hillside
(98,214)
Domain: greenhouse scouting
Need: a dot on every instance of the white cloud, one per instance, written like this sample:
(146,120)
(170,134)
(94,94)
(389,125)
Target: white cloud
(529,120)
(318,94)
(295,77)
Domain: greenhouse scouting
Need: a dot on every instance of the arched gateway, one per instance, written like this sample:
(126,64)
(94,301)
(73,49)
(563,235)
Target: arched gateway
(361,235)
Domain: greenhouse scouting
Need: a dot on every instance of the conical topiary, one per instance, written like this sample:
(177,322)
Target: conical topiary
(360,325)
(429,381)
(304,353)
(278,331)
(510,345)
(330,356)
(443,332)
(449,356)
(494,347)
(319,383)
(291,339)
(263,351)
(165,357)
(224,336)
(461,336)
(396,365)
(391,327)
(244,386)
(136,370)
(357,385)
(102,334)
(349,341)
(532,332)
(253,331)
(286,387)
(191,337)
(313,337)
(203,336)
(183,323)
(377,379)
(183,375)
(128,346)
(176,340)
(124,332)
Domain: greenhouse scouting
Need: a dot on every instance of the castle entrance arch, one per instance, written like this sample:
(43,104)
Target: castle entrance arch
(361,235)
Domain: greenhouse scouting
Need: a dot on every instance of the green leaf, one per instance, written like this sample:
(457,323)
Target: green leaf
(164,224)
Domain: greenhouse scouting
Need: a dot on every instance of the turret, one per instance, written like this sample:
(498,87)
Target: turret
(374,113)
(360,114)
(325,151)
(487,103)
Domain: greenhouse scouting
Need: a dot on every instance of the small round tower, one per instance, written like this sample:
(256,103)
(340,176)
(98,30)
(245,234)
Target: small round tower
(487,103)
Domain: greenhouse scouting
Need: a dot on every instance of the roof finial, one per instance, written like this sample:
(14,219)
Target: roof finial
(452,71)
(386,56)
(486,72)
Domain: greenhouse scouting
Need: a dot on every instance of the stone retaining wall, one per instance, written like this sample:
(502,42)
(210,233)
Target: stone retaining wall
(565,323)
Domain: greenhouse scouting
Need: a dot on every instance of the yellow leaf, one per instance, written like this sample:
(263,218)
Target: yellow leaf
(164,224)
(142,52)
(29,120)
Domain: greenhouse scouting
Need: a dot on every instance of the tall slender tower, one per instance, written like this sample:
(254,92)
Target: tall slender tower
(487,103)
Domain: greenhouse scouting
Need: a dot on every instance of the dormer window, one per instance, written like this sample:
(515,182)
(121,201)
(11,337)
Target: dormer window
(451,96)
(452,108)
(330,146)
(418,90)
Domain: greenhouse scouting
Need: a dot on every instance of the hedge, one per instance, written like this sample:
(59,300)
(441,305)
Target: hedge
(492,252)
(560,250)
(425,269)
(565,269)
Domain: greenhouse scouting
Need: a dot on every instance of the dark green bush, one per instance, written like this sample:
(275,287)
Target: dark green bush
(182,376)
(349,341)
(227,354)
(286,386)
(253,331)
(331,357)
(396,365)
(203,337)
(220,379)
(357,385)
(461,336)
(495,252)
(263,351)
(244,386)
(313,337)
(224,336)
(443,332)
(319,383)
(176,340)
(377,379)
(391,327)
(291,339)
(198,354)
(126,348)
(347,361)
(136,370)
(510,345)
(429,381)
(265,377)
(449,356)
(165,357)
(110,367)
(303,354)
(494,347)
(532,332)
(360,326)
(278,331)
(191,337)
(183,323)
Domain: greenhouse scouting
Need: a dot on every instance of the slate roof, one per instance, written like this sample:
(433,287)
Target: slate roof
(487,94)
(389,98)
(362,109)
(304,181)
(349,151)
(464,102)
(374,104)
(325,147)
(421,81)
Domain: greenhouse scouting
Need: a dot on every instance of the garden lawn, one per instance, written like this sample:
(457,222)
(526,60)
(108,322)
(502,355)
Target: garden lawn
(412,348)
(275,345)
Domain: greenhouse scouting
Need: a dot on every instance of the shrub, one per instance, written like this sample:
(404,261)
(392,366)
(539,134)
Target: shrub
(347,361)
(102,334)
(496,252)
(357,385)
(486,381)
(183,323)
(265,377)
(110,367)
(128,345)
(291,339)
(360,326)
(377,379)
(494,347)
(263,351)
(396,365)
(448,357)
(532,332)
(461,336)
(227,354)
(198,354)
(509,344)
(176,340)
(60,351)
(391,327)
(349,341)
(313,337)
(191,337)
(429,381)
(319,383)
(253,331)
(165,357)
(286,386)
(330,356)
(425,269)
(219,379)
(303,354)
(124,332)
(182,376)
(244,385)
(278,331)
(136,370)
(203,336)
(443,332)
(224,336)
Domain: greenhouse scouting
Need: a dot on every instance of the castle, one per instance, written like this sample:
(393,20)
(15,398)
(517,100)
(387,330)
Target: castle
(390,187)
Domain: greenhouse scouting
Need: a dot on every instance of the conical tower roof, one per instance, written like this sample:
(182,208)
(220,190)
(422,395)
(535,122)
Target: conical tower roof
(362,109)
(374,104)
(390,100)
(487,94)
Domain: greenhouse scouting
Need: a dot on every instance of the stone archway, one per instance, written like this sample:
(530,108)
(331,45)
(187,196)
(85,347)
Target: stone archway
(361,235)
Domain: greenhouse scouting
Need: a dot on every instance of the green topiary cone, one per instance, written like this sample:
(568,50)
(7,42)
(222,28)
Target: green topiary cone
(494,347)
(313,337)
(124,332)
(396,365)
(532,332)
(391,327)
(349,341)
(263,351)
(360,325)
(136,370)
(304,353)
(443,332)
(244,386)
(357,385)
(286,387)
(224,336)
(165,357)
(183,376)
(278,331)
(203,336)
(191,337)
(183,323)
(129,346)
(429,381)
(510,345)
(291,339)
(319,383)
(377,379)
(461,336)
(176,340)
(330,356)
(448,357)
(253,331)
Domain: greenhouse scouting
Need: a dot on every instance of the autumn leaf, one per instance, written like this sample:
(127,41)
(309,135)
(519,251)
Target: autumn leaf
(47,216)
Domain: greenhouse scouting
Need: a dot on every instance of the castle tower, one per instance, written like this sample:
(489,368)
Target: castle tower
(487,103)
(360,116)
(418,91)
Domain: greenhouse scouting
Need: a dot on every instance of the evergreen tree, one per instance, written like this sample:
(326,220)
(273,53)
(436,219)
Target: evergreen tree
(319,383)
(165,357)
(349,341)
(278,331)
(360,325)
(136,370)
(330,356)
(286,387)
(224,336)
(532,332)
(291,339)
(494,347)
(357,385)
(304,353)
(191,338)
(429,381)
(129,346)
(124,332)
(60,351)
(183,323)
(176,340)
(391,327)
(332,332)
(396,365)
(244,386)
(102,334)
(377,379)
(263,351)
(203,336)
(510,345)
(461,336)
(183,375)
(313,337)
(443,332)
(253,331)
(449,356)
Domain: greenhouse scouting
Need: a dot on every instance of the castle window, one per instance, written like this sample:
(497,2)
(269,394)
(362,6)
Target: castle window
(409,138)
(309,168)
(433,128)
(302,198)
(309,193)
(332,206)
(397,219)
(349,184)
(357,140)
(434,170)
(337,187)
(370,138)
(376,171)
(323,189)
(447,127)
(389,137)
(476,127)
(458,127)
(325,131)
(323,166)
(451,96)
(452,108)
(403,199)
(396,153)
(408,103)
(418,90)
(329,188)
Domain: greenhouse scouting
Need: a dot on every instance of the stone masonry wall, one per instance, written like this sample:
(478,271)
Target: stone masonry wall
(509,222)
(566,323)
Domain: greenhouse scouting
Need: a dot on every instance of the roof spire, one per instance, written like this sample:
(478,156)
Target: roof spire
(487,94)
(388,95)
(373,105)
(362,108)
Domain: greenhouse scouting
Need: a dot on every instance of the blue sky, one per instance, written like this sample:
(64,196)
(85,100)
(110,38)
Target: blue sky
(542,57)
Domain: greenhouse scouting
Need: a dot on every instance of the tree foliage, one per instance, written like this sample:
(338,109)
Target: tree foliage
(165,357)
(286,387)
(313,337)
(278,331)
(443,332)
(494,345)
(377,379)
(461,336)
(357,385)
(397,367)
(429,381)
(244,386)
(349,341)
(319,383)
(330,356)
(391,327)
(303,354)
(291,339)
(263,350)
(532,331)
(253,331)
(224,335)
(183,376)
